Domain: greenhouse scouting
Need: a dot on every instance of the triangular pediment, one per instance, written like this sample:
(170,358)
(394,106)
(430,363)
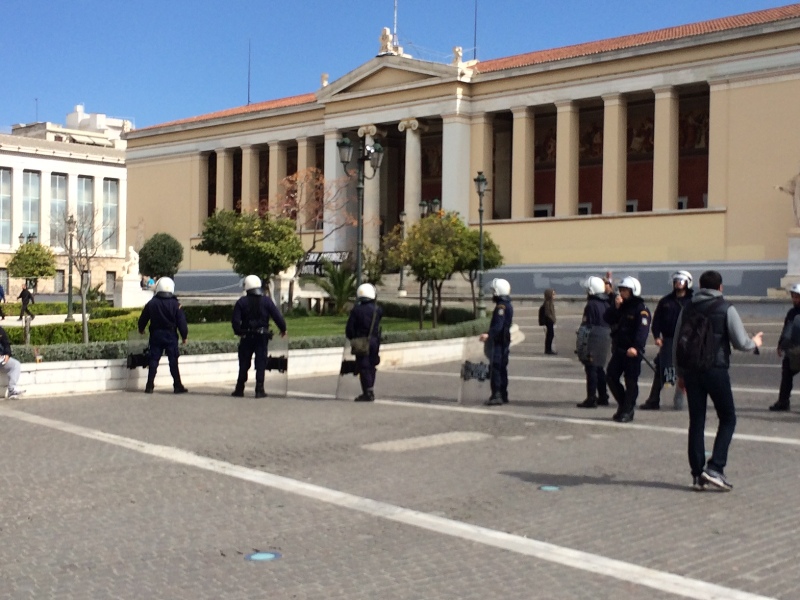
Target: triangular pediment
(388,73)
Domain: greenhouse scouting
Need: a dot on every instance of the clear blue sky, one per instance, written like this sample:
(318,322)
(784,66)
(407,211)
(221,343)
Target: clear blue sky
(154,61)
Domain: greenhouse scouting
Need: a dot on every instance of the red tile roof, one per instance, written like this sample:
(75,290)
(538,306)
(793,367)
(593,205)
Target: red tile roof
(241,110)
(640,39)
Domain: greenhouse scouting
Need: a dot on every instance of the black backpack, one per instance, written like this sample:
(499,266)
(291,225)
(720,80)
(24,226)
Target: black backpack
(541,315)
(695,346)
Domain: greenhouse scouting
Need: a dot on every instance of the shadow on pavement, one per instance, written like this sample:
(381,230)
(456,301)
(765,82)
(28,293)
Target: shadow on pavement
(563,480)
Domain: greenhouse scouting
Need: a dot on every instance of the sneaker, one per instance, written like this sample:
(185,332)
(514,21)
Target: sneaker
(780,407)
(15,392)
(698,483)
(716,479)
(650,405)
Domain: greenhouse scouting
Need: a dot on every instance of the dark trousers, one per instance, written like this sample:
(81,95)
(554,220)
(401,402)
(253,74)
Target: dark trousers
(499,381)
(595,382)
(24,310)
(162,342)
(366,371)
(716,383)
(631,367)
(249,345)
(548,338)
(658,382)
(787,375)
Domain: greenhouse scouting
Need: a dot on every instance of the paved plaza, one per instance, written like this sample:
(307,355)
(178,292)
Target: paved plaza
(127,495)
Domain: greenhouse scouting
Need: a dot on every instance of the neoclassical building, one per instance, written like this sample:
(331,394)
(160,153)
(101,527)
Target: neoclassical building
(646,152)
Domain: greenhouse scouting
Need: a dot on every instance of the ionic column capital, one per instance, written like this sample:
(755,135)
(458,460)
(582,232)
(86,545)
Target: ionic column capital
(371,130)
(413,124)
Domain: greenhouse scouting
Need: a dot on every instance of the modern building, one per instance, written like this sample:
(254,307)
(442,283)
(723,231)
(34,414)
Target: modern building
(49,173)
(642,153)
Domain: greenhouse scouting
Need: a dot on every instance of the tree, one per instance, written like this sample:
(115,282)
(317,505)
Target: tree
(160,256)
(339,283)
(469,260)
(254,245)
(32,261)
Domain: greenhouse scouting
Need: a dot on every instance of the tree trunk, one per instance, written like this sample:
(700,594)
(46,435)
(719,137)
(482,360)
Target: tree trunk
(85,322)
(472,291)
(421,307)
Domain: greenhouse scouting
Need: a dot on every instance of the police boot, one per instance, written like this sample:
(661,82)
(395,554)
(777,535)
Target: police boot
(179,389)
(366,396)
(495,400)
(260,393)
(238,391)
(650,404)
(780,406)
(588,403)
(148,388)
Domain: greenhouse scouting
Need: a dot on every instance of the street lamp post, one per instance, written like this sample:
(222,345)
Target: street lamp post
(480,187)
(373,154)
(426,208)
(401,291)
(71,229)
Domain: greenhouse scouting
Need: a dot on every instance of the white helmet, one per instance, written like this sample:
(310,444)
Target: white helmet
(632,284)
(594,286)
(501,287)
(165,285)
(252,285)
(795,289)
(366,291)
(684,276)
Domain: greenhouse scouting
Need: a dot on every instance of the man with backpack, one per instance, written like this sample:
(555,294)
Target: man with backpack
(704,333)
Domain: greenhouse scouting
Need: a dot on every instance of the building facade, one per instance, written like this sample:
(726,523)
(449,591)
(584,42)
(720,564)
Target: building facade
(645,152)
(44,181)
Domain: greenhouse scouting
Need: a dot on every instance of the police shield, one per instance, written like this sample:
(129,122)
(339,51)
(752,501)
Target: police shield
(664,362)
(348,384)
(276,377)
(138,351)
(475,373)
(593,345)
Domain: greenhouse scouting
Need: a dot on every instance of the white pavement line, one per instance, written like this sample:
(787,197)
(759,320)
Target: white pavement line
(428,441)
(577,559)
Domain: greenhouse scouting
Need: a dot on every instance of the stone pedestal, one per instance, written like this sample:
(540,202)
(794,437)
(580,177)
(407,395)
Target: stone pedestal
(793,260)
(128,292)
(281,282)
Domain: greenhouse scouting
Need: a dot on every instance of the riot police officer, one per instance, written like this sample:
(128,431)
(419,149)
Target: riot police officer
(630,326)
(167,320)
(665,318)
(250,321)
(788,344)
(365,322)
(499,337)
(595,318)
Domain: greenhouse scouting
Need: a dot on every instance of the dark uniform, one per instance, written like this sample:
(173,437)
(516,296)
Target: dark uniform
(166,322)
(630,325)
(358,325)
(499,338)
(665,318)
(27,298)
(251,315)
(596,313)
(790,339)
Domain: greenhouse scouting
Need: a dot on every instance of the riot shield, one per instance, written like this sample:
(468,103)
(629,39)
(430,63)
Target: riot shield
(138,351)
(593,345)
(276,377)
(476,385)
(348,385)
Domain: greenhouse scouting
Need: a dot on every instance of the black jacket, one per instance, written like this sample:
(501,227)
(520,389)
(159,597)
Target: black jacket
(360,319)
(26,297)
(165,316)
(5,343)
(597,311)
(630,325)
(500,326)
(666,314)
(790,334)
(253,312)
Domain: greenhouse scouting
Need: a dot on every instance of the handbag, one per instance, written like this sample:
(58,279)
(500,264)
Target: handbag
(360,346)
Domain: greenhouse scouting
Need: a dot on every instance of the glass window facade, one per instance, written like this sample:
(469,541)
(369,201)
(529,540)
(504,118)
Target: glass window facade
(5,207)
(58,210)
(110,214)
(85,216)
(31,196)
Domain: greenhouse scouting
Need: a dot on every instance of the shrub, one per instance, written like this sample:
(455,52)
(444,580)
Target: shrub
(160,256)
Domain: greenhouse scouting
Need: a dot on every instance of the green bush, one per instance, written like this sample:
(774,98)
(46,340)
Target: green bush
(100,330)
(208,313)
(450,315)
(59,308)
(107,312)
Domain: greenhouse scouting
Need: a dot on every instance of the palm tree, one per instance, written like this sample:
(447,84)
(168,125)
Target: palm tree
(340,284)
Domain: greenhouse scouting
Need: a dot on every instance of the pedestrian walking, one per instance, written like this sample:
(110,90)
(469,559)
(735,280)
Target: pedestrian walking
(27,298)
(10,366)
(363,329)
(789,349)
(250,321)
(704,333)
(167,320)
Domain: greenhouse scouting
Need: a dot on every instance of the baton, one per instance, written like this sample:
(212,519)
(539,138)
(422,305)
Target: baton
(649,364)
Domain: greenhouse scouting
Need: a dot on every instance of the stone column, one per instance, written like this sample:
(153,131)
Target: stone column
(277,171)
(481,160)
(372,199)
(338,210)
(522,163)
(567,159)
(306,160)
(412,189)
(249,178)
(456,180)
(224,179)
(665,151)
(198,210)
(615,154)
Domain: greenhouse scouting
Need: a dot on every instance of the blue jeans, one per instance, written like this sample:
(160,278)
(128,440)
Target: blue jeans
(715,382)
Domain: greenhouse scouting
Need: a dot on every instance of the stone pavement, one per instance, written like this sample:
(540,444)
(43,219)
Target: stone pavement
(128,495)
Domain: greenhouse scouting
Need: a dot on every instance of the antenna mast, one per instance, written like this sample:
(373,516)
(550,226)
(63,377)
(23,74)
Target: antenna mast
(475,34)
(248,72)
(394,30)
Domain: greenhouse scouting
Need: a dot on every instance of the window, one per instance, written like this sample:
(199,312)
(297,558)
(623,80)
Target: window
(31,193)
(631,206)
(59,284)
(5,207)
(85,229)
(4,279)
(58,210)
(543,210)
(585,208)
(111,281)
(110,214)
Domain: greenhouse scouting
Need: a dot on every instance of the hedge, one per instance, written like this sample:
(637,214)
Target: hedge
(60,308)
(100,330)
(111,350)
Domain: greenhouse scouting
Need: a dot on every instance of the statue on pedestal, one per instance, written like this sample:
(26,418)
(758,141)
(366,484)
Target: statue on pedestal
(792,187)
(131,264)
